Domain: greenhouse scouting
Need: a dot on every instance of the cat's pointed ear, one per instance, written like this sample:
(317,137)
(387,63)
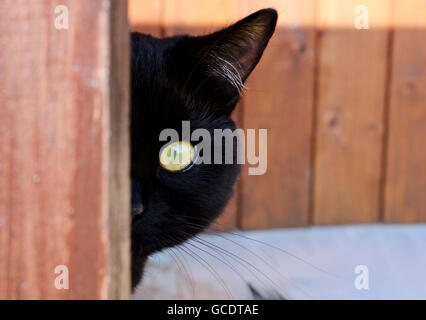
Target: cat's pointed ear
(223,60)
(232,53)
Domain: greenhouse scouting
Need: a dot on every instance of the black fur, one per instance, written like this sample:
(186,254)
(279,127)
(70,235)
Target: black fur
(174,79)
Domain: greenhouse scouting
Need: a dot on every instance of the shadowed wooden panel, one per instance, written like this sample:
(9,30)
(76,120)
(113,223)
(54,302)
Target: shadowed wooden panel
(351,91)
(197,18)
(64,198)
(405,199)
(119,154)
(279,98)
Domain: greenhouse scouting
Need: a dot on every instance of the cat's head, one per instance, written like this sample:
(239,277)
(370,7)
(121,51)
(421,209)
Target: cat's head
(199,79)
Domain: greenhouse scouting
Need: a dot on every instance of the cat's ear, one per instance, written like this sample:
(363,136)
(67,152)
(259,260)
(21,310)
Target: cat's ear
(225,58)
(232,53)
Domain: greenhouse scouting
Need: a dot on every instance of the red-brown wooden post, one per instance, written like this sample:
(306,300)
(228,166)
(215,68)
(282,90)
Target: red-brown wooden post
(64,186)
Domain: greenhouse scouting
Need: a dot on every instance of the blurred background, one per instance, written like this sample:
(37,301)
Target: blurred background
(345,110)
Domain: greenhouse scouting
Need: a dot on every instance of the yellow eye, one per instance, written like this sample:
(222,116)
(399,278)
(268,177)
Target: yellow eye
(177,156)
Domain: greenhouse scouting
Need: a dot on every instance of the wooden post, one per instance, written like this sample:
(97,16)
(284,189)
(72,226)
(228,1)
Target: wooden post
(64,156)
(280,98)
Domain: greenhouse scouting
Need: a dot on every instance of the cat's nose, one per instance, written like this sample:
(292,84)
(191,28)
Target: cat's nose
(137,205)
(137,209)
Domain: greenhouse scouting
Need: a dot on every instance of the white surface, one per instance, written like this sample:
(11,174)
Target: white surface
(394,254)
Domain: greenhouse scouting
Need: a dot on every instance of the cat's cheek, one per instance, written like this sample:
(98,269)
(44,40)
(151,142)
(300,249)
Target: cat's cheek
(177,180)
(163,176)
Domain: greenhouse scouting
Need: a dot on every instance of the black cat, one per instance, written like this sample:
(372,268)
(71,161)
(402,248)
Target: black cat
(198,79)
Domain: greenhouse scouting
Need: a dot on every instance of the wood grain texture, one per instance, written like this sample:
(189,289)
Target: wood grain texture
(280,99)
(406,161)
(351,91)
(57,142)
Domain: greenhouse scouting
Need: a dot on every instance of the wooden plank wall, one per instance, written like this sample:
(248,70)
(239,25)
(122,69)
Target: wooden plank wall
(345,109)
(280,197)
(64,185)
(349,116)
(405,199)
